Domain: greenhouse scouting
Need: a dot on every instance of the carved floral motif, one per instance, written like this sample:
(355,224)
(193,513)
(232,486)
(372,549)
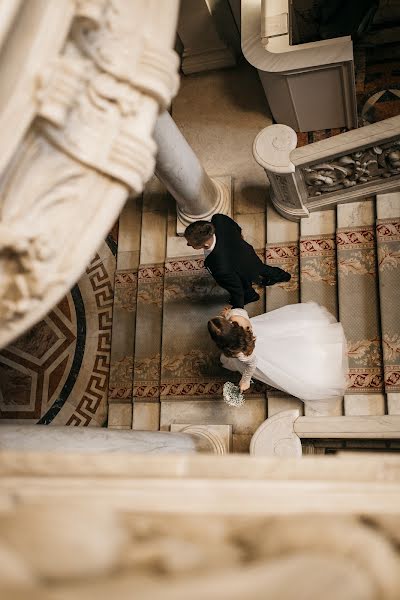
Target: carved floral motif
(353,169)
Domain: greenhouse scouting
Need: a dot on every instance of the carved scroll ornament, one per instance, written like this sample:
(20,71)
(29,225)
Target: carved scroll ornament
(350,170)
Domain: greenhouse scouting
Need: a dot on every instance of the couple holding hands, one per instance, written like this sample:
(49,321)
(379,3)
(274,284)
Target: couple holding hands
(299,348)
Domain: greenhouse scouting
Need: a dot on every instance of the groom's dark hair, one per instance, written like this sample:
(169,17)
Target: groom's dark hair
(199,232)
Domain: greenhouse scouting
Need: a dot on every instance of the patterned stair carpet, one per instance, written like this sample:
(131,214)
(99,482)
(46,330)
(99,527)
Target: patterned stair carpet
(388,242)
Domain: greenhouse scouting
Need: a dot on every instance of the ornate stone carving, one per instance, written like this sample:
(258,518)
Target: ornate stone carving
(353,169)
(27,246)
(348,167)
(96,98)
(174,527)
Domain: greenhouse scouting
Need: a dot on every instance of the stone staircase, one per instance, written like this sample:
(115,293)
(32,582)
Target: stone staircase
(164,370)
(348,260)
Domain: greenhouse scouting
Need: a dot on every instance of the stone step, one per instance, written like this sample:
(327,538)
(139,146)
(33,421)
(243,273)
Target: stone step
(282,250)
(149,322)
(124,316)
(318,282)
(388,242)
(359,307)
(191,376)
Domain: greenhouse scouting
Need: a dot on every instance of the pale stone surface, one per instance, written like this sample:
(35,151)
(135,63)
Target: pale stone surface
(272,148)
(154,237)
(129,228)
(244,420)
(356,214)
(356,427)
(277,60)
(146,416)
(324,408)
(277,437)
(222,128)
(128,260)
(119,415)
(224,186)
(233,542)
(279,403)
(220,436)
(241,443)
(177,245)
(280,229)
(84,439)
(364,404)
(51,530)
(253,228)
(388,205)
(393,401)
(204,49)
(319,223)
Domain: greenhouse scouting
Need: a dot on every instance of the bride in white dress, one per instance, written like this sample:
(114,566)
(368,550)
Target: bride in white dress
(299,349)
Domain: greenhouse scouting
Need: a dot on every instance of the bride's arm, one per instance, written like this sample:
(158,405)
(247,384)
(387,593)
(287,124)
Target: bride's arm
(251,365)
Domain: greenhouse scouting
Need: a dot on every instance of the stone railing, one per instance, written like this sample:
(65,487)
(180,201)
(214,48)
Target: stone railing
(281,434)
(82,85)
(345,168)
(274,19)
(96,525)
(308,86)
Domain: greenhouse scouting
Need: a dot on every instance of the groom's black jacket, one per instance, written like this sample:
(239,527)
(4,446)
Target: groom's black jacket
(233,263)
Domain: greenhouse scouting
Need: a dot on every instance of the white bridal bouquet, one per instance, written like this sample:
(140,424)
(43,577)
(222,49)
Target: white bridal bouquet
(232,394)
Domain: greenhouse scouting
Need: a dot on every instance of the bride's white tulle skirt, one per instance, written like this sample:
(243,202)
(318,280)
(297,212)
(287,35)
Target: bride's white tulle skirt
(301,349)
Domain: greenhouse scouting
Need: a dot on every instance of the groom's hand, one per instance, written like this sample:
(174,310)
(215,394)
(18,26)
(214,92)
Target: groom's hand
(225,311)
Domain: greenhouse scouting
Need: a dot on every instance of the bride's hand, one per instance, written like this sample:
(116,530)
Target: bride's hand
(243,387)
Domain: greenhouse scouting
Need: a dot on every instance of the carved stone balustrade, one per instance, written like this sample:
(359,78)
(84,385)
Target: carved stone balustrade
(97,525)
(308,86)
(83,82)
(345,168)
(281,434)
(183,439)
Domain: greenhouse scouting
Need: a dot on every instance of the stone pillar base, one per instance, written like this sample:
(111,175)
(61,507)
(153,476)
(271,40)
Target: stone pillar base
(224,205)
(207,60)
(217,438)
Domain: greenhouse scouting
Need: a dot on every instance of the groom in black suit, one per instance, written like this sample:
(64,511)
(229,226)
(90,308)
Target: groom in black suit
(231,261)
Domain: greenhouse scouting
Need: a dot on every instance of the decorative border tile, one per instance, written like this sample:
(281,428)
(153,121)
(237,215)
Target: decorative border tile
(323,245)
(356,238)
(388,230)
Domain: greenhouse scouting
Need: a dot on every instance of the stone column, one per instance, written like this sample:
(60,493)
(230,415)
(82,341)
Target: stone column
(197,195)
(89,439)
